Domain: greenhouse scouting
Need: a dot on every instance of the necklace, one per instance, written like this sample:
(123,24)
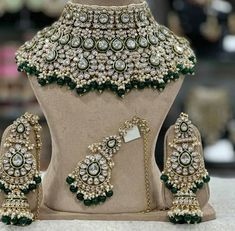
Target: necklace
(115,48)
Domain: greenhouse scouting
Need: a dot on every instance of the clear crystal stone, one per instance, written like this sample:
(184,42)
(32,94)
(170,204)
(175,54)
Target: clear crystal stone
(175,153)
(6,166)
(154,60)
(23,171)
(8,154)
(87,161)
(103,161)
(12,150)
(90,181)
(24,150)
(195,165)
(83,166)
(117,44)
(102,45)
(183,127)
(185,171)
(161,36)
(120,65)
(111,143)
(29,45)
(142,16)
(51,55)
(96,181)
(178,49)
(164,31)
(191,170)
(27,167)
(196,159)
(131,43)
(5,161)
(76,42)
(83,64)
(18,147)
(101,178)
(174,165)
(89,43)
(104,173)
(94,169)
(29,161)
(55,36)
(98,157)
(17,173)
(10,172)
(103,18)
(179,170)
(143,42)
(85,177)
(83,17)
(82,172)
(20,128)
(174,159)
(125,18)
(185,158)
(65,39)
(153,39)
(104,167)
(17,160)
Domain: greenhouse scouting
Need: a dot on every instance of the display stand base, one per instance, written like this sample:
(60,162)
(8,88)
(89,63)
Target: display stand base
(49,214)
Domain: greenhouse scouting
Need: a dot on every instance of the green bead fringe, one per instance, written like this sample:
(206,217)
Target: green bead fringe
(174,190)
(61,81)
(87,202)
(185,219)
(22,221)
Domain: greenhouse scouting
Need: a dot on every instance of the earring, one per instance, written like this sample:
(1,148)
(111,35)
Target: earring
(91,179)
(184,173)
(19,170)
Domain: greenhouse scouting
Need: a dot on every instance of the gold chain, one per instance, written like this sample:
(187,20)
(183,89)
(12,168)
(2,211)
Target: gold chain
(144,129)
(146,168)
(36,129)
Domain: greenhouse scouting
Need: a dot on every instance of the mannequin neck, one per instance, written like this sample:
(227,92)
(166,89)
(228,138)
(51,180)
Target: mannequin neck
(108,2)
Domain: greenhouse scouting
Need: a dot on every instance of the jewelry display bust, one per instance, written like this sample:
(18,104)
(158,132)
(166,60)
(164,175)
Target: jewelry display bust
(77,121)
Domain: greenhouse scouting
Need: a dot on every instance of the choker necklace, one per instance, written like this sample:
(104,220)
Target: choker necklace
(98,48)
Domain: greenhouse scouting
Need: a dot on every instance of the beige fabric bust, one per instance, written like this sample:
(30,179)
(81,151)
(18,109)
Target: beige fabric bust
(76,122)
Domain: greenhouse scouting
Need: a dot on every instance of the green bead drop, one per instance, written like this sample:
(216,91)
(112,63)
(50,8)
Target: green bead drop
(87,202)
(109,193)
(70,180)
(42,82)
(164,178)
(6,220)
(73,189)
(102,199)
(80,196)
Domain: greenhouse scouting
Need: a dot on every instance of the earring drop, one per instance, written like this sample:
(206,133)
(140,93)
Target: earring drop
(19,170)
(184,173)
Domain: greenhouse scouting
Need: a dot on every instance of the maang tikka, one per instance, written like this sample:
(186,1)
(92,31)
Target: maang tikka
(19,170)
(184,172)
(91,179)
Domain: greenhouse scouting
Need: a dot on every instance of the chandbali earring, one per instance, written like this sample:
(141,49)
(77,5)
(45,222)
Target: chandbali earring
(184,172)
(91,179)
(19,170)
